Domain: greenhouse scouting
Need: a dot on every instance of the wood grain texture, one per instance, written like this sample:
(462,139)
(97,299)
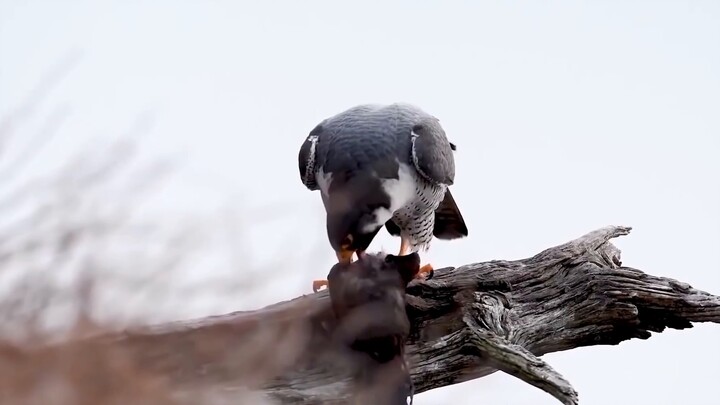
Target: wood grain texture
(467,322)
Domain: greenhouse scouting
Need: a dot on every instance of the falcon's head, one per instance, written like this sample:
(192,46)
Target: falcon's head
(357,206)
(351,228)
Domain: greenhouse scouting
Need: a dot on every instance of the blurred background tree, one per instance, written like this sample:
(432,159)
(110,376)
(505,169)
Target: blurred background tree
(79,257)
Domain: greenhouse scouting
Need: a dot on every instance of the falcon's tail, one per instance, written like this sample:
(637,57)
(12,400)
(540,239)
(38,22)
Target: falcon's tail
(449,223)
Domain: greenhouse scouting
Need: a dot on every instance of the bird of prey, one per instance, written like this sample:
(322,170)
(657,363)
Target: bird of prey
(382,165)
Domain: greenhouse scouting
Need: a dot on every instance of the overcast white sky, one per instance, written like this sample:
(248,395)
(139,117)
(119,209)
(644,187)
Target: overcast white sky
(568,116)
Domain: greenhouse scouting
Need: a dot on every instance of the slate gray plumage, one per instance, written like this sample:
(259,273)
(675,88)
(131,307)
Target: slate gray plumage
(381,165)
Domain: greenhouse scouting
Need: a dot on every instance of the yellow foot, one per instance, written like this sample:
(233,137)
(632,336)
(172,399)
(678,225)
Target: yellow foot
(425,272)
(317,284)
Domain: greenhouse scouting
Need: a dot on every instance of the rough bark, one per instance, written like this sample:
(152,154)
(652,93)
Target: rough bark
(467,322)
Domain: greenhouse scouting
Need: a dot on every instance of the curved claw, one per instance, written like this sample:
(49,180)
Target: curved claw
(426,272)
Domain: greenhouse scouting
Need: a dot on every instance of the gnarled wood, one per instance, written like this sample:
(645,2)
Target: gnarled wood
(467,322)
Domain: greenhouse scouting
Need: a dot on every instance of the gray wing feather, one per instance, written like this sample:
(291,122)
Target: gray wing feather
(365,136)
(432,153)
(359,139)
(307,158)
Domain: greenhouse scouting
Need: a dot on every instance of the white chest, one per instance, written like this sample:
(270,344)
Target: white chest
(402,192)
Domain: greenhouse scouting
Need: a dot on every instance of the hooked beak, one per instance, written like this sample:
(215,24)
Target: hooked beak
(344,255)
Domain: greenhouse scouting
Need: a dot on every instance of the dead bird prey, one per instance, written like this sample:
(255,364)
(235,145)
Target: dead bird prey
(368,298)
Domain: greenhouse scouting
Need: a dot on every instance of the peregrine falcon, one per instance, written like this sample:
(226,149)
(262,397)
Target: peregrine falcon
(382,165)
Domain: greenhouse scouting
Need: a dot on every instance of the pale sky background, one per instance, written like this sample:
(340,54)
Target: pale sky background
(568,116)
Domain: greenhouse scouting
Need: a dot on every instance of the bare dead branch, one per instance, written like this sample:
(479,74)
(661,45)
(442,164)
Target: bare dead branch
(516,361)
(467,322)
(51,79)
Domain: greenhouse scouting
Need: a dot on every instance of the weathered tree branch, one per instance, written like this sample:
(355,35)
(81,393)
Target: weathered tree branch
(467,322)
